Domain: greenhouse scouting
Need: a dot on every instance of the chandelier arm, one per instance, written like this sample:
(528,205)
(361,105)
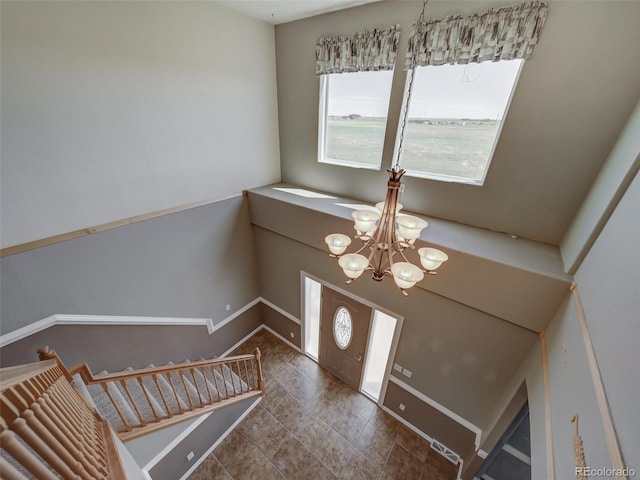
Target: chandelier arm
(401,253)
(371,256)
(365,245)
(384,236)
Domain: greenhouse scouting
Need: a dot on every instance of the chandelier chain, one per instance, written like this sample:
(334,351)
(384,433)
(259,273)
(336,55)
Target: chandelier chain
(405,114)
(385,232)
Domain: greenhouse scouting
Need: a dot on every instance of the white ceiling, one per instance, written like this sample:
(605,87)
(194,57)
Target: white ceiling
(283,11)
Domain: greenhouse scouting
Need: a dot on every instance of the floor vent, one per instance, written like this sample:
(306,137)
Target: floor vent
(450,455)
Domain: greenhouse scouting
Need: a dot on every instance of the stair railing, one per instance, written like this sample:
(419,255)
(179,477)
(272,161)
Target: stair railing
(49,431)
(172,393)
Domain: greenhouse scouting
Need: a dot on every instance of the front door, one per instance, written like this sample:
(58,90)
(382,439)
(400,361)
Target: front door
(344,329)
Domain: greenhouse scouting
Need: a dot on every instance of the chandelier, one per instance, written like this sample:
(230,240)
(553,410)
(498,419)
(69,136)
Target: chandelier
(387,234)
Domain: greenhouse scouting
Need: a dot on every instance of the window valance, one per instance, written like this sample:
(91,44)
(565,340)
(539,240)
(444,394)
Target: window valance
(500,34)
(361,52)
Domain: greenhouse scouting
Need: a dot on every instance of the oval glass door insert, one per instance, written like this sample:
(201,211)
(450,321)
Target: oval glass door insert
(342,327)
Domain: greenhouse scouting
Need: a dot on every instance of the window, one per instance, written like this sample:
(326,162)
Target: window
(454,120)
(342,328)
(353,118)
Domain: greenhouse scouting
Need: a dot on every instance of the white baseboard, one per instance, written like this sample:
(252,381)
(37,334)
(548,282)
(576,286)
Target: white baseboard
(175,441)
(219,441)
(441,408)
(415,429)
(292,345)
(241,341)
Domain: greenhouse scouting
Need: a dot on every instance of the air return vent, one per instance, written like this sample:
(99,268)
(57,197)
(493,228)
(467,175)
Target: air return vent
(450,455)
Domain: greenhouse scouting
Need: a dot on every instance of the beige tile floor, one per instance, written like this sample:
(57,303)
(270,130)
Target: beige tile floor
(312,426)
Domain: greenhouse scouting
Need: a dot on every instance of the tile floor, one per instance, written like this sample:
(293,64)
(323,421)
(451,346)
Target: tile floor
(312,426)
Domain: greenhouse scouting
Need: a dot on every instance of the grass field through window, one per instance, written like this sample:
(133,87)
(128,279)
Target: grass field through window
(452,147)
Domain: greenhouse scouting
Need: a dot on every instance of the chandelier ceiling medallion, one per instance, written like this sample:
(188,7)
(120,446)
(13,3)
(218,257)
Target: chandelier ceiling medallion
(386,234)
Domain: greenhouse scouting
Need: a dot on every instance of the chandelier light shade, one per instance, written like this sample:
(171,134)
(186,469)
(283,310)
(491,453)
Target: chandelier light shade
(386,236)
(337,243)
(431,258)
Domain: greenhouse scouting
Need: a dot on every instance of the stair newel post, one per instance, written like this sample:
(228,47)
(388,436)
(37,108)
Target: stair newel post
(259,365)
(46,353)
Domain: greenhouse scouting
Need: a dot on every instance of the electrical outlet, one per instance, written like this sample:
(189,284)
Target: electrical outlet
(402,407)
(407,373)
(190,456)
(397,367)
(228,307)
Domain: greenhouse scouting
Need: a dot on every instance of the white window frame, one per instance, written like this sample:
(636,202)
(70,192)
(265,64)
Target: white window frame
(323,112)
(453,178)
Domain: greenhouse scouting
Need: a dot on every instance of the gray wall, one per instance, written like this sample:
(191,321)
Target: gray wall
(608,188)
(609,287)
(454,351)
(566,113)
(430,420)
(282,325)
(571,391)
(187,264)
(116,347)
(611,305)
(175,463)
(115,109)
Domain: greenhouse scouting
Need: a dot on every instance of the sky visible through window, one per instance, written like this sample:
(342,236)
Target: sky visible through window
(361,93)
(474,91)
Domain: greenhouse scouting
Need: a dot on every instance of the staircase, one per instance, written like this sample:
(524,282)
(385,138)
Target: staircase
(48,432)
(136,402)
(131,403)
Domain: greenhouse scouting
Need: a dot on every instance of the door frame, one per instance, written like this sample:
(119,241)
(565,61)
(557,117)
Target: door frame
(396,333)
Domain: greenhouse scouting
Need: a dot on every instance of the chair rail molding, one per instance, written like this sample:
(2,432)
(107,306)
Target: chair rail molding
(68,319)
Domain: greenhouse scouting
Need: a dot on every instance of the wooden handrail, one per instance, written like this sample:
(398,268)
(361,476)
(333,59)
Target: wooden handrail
(89,378)
(48,430)
(11,376)
(183,390)
(57,424)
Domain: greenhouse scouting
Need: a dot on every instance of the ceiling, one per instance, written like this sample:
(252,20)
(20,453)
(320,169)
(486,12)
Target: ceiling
(283,11)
